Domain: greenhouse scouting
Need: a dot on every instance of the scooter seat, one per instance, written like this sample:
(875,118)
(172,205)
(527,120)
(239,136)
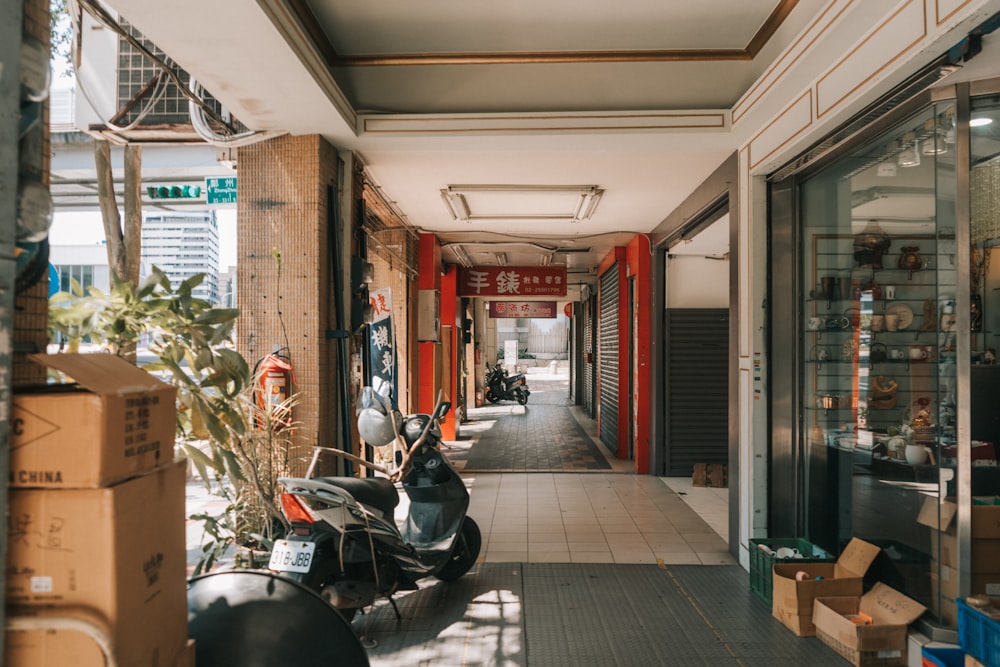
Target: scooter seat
(376,492)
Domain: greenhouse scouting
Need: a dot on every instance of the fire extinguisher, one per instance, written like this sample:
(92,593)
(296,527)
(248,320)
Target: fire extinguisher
(274,379)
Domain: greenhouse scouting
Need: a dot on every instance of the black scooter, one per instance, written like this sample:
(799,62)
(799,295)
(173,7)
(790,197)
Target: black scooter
(503,387)
(344,542)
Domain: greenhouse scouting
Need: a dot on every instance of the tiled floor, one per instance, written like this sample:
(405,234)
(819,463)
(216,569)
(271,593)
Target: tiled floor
(588,518)
(565,515)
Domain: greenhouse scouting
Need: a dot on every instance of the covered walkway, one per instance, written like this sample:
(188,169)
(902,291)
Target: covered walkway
(583,563)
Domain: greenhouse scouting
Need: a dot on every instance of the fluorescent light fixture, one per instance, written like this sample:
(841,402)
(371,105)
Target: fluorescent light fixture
(979,122)
(457,205)
(545,259)
(501,258)
(460,255)
(529,203)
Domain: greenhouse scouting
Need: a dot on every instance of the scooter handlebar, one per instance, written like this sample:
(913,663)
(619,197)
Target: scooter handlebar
(404,466)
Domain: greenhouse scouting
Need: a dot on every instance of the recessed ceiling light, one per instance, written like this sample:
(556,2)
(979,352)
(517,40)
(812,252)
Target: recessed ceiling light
(979,122)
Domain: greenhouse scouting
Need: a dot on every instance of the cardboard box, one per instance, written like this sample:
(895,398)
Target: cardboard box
(985,516)
(985,552)
(984,547)
(116,422)
(117,551)
(944,579)
(879,644)
(792,601)
(718,475)
(80,646)
(699,476)
(972,662)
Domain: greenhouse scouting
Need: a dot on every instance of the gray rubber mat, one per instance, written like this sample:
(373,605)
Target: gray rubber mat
(540,437)
(543,615)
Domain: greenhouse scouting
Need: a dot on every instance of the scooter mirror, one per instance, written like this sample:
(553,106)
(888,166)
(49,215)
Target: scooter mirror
(443,410)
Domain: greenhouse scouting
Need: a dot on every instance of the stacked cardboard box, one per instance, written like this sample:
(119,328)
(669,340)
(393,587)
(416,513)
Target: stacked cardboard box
(715,475)
(96,544)
(985,552)
(793,595)
(868,630)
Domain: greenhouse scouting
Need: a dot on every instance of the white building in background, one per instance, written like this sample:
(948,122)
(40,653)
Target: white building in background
(85,263)
(183,244)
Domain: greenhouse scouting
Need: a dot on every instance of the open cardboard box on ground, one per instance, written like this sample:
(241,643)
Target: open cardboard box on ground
(984,548)
(792,601)
(115,422)
(882,643)
(115,554)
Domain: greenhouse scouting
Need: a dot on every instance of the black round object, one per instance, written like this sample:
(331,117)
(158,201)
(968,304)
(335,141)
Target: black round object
(255,618)
(34,265)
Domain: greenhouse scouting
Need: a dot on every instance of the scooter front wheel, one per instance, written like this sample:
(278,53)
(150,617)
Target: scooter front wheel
(522,396)
(464,554)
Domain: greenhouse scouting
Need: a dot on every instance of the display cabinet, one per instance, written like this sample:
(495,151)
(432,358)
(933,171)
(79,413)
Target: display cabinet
(880,330)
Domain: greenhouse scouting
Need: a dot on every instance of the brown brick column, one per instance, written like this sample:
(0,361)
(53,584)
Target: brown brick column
(283,207)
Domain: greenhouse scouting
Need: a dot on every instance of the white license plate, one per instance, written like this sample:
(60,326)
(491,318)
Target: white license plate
(292,556)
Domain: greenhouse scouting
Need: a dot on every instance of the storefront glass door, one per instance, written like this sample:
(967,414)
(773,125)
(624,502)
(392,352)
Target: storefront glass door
(878,288)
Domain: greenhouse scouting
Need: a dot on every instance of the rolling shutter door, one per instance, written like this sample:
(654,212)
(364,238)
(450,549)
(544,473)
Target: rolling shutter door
(697,388)
(607,359)
(588,356)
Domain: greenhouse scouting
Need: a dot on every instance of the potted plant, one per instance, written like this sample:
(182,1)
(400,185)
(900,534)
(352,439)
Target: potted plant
(237,446)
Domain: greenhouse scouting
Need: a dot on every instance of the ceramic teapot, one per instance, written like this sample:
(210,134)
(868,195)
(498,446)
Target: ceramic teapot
(910,259)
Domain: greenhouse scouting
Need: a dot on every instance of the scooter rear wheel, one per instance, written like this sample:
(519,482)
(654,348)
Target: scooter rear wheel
(465,553)
(326,574)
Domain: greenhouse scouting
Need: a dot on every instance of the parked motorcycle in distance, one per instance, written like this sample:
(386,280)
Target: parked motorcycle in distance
(503,387)
(344,542)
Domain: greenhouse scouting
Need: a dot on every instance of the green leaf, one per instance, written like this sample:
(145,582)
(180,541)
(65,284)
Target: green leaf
(201,463)
(233,468)
(218,316)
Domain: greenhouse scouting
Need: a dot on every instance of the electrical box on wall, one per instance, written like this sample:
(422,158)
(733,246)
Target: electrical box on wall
(429,316)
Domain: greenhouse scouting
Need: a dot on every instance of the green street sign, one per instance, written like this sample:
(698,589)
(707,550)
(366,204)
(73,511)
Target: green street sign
(220,190)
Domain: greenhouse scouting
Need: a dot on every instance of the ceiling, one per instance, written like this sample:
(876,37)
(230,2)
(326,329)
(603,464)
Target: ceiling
(532,114)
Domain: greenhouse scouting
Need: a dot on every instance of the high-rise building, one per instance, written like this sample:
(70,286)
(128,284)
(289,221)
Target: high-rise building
(184,244)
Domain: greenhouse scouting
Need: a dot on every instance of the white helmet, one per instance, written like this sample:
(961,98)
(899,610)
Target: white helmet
(375,421)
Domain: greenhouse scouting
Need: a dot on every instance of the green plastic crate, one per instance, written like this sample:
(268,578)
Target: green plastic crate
(761,562)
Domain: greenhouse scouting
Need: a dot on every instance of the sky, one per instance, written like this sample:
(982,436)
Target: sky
(82,228)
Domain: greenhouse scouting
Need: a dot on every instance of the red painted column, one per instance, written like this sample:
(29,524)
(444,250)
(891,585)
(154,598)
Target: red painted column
(428,369)
(449,345)
(640,264)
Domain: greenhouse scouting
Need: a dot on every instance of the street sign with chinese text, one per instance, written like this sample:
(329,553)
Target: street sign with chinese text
(220,190)
(522,308)
(382,342)
(512,281)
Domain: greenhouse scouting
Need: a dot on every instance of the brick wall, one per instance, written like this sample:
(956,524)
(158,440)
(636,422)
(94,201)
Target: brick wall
(31,308)
(283,207)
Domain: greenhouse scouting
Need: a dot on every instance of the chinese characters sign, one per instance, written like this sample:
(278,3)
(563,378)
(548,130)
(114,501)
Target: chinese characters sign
(512,281)
(382,342)
(522,308)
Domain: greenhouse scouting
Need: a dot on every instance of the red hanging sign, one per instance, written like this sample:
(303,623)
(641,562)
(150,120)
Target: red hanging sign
(512,281)
(522,308)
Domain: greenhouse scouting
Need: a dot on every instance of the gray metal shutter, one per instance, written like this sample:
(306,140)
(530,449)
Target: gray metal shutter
(607,358)
(589,306)
(697,388)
